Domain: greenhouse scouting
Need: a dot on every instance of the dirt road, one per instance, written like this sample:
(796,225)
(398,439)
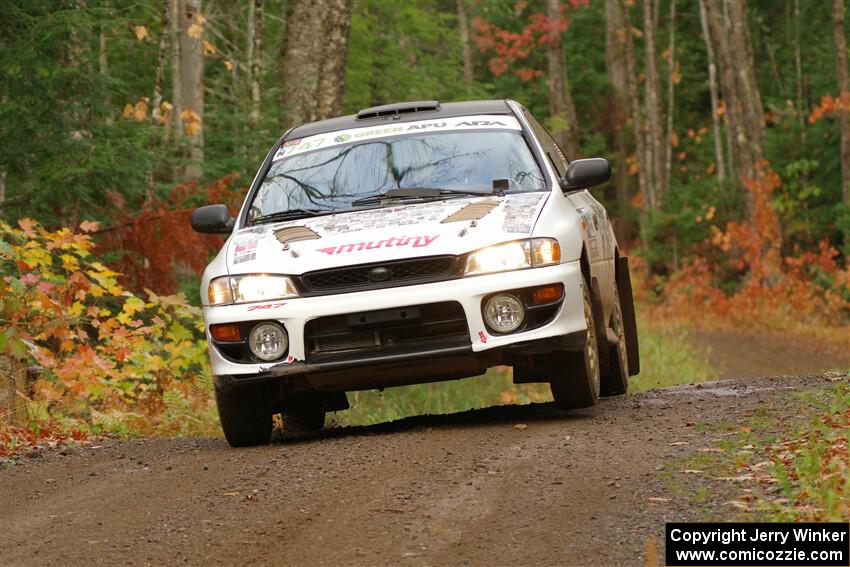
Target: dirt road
(503,486)
(466,489)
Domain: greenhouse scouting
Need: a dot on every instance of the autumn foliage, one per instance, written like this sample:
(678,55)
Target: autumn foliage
(105,353)
(740,278)
(155,237)
(513,50)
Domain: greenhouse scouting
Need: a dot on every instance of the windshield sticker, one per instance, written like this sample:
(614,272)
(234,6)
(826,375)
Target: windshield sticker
(521,211)
(301,145)
(413,241)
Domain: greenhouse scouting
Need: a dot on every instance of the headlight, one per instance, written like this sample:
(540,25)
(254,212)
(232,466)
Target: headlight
(516,255)
(250,288)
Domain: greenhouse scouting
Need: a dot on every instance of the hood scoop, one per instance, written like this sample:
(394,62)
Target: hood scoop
(294,234)
(473,211)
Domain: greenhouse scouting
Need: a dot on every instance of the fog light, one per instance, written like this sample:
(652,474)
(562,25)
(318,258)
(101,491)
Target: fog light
(504,313)
(268,341)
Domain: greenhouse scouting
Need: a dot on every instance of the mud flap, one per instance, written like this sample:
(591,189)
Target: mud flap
(627,306)
(601,329)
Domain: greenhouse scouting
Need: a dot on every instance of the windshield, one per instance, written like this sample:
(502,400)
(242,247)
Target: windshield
(332,178)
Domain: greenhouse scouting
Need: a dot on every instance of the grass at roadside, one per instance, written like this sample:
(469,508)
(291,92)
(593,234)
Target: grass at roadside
(666,359)
(785,463)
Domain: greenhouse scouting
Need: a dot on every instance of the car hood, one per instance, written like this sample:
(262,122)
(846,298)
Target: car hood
(453,226)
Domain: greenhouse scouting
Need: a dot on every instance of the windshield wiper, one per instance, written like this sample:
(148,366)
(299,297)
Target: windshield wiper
(291,214)
(414,193)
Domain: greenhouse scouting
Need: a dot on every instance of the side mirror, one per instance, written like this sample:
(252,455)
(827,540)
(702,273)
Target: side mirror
(212,219)
(584,173)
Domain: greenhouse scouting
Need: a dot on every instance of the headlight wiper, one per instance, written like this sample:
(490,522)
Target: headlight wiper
(291,214)
(413,193)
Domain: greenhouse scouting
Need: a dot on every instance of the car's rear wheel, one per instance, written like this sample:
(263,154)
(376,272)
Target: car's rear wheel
(245,416)
(617,380)
(575,379)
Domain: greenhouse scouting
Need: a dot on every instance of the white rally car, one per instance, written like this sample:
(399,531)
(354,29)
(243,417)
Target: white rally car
(410,243)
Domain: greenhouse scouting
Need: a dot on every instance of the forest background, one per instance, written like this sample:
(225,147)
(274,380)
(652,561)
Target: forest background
(727,124)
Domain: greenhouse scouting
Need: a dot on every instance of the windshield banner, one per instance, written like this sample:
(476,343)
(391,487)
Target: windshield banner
(321,141)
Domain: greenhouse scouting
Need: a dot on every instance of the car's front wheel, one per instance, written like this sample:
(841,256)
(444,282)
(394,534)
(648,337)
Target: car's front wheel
(245,416)
(575,374)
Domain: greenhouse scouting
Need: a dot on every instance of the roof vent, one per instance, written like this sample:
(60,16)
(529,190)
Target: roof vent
(397,109)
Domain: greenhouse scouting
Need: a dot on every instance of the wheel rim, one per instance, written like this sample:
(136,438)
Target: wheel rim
(621,339)
(591,350)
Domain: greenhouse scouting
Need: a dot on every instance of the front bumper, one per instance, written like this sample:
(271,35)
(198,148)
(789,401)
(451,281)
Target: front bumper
(565,330)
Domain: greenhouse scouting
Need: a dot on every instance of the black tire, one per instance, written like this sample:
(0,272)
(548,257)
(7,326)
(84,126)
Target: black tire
(246,419)
(575,375)
(616,382)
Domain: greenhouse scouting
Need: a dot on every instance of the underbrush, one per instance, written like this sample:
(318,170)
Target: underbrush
(789,463)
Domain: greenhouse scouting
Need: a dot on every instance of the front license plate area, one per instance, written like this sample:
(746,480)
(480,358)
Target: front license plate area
(384,316)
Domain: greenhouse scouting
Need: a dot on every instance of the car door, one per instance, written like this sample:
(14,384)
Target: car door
(595,226)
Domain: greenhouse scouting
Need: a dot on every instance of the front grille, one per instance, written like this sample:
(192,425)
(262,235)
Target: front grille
(390,274)
(401,330)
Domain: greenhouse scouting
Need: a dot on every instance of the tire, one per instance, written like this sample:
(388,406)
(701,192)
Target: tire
(616,382)
(575,382)
(246,419)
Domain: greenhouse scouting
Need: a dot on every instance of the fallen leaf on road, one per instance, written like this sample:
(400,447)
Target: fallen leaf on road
(658,499)
(677,443)
(739,505)
(521,426)
(230,494)
(742,478)
(710,450)
(691,471)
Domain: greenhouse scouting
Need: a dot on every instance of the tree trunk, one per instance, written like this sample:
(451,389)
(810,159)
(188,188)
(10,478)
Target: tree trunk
(840,40)
(632,86)
(741,95)
(156,101)
(256,60)
(103,68)
(463,27)
(561,107)
(654,146)
(720,162)
(331,86)
(300,62)
(671,92)
(615,65)
(192,83)
(798,63)
(176,91)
